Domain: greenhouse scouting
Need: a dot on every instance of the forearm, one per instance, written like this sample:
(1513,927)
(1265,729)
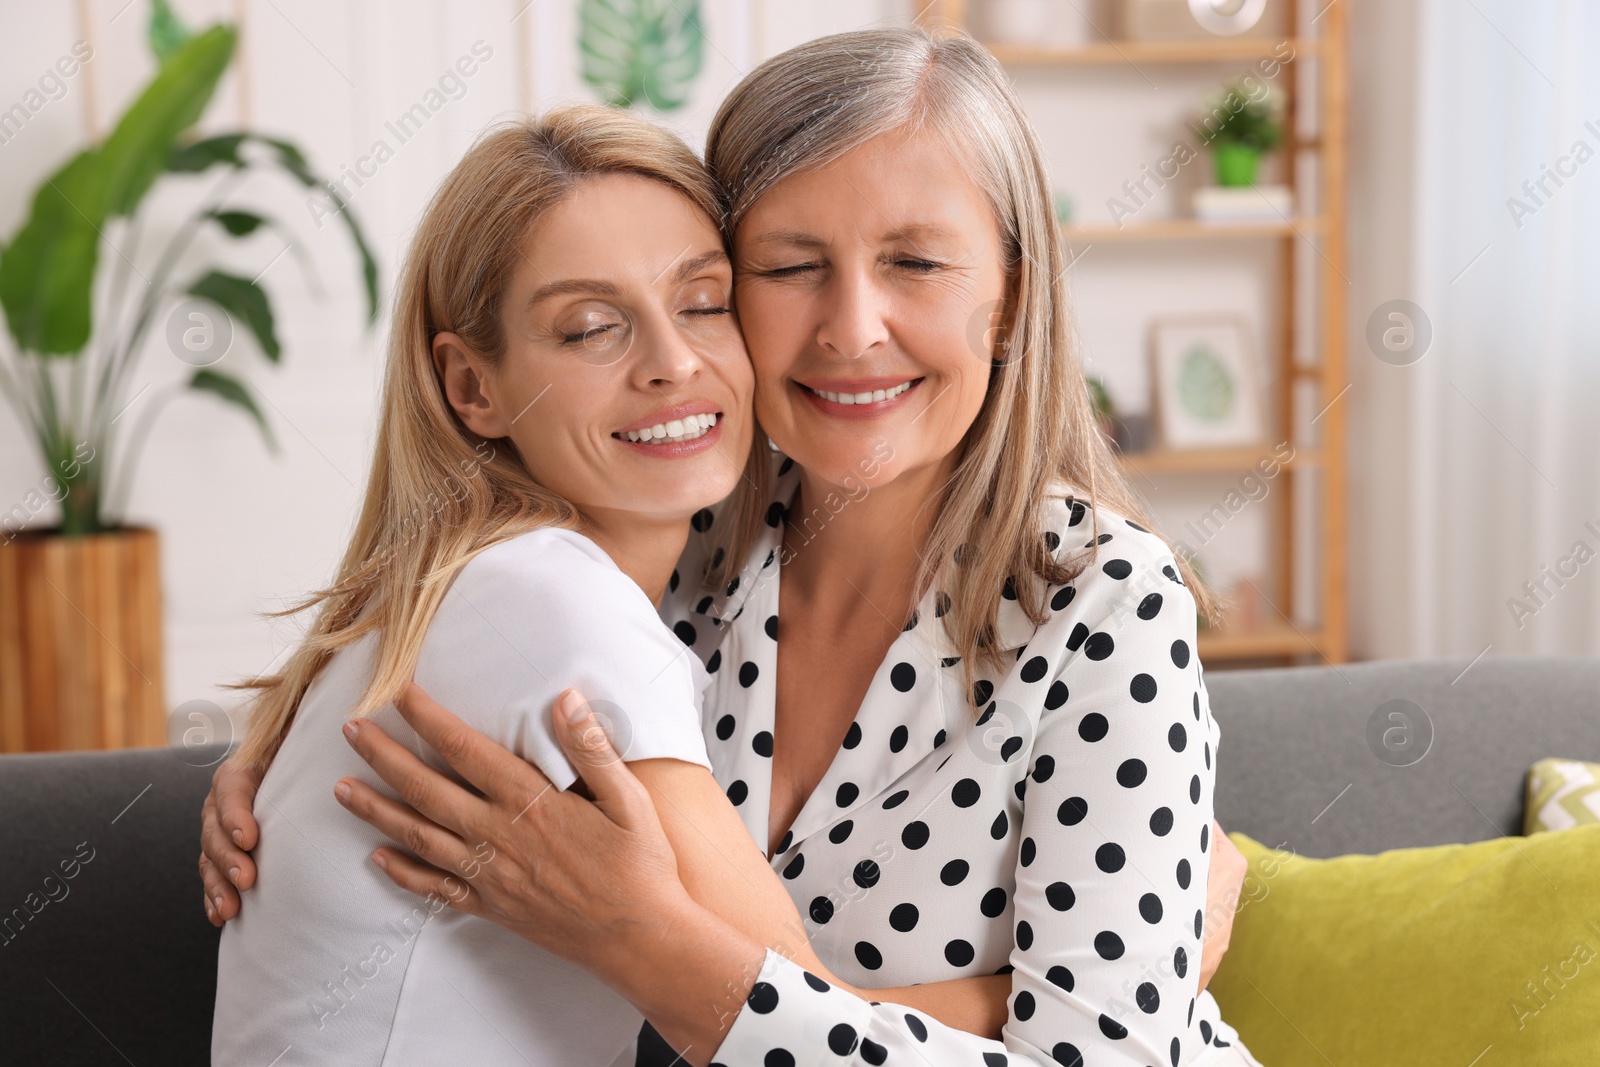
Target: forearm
(976,1005)
(719,864)
(689,973)
(724,871)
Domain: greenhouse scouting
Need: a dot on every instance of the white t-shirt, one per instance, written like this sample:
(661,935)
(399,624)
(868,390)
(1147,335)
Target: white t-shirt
(330,962)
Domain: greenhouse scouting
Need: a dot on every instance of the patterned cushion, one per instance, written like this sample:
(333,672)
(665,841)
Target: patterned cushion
(1562,793)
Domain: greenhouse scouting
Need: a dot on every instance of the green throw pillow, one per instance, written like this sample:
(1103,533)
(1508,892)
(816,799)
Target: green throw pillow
(1562,793)
(1479,955)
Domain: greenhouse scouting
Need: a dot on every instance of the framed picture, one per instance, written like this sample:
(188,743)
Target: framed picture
(1208,393)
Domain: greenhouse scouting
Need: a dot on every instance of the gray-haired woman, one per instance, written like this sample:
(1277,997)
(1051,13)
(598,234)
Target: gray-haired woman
(954,684)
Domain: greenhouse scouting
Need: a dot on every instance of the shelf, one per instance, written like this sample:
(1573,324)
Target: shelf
(1212,460)
(1191,230)
(1264,642)
(1305,526)
(1136,52)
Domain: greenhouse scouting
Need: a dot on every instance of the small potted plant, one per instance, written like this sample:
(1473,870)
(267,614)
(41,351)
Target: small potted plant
(80,619)
(1242,123)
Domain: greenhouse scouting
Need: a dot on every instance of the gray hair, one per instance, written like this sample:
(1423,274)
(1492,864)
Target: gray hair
(1037,430)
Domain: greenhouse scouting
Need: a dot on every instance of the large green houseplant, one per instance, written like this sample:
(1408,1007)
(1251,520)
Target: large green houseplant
(69,375)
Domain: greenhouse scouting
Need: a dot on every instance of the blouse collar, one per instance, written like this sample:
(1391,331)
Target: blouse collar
(888,737)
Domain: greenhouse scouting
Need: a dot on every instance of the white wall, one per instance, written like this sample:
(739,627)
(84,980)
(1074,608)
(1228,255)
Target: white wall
(1384,45)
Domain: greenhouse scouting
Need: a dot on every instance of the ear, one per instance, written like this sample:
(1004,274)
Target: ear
(467,386)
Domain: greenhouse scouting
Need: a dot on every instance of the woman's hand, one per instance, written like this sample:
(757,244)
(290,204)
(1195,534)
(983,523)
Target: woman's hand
(1228,869)
(227,834)
(595,882)
(554,868)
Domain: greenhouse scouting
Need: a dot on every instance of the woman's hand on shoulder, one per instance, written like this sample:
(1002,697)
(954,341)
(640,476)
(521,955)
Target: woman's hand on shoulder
(228,832)
(593,881)
(562,871)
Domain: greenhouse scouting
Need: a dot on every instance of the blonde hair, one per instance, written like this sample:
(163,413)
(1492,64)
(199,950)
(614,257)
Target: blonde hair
(817,102)
(438,494)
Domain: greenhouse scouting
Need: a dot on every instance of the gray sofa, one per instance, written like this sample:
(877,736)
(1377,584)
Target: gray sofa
(118,967)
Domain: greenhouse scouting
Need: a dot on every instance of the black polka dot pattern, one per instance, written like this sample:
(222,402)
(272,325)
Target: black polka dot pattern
(1068,833)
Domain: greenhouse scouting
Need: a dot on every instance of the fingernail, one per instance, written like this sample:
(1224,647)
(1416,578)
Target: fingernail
(377,857)
(574,708)
(342,791)
(350,729)
(233,875)
(218,900)
(238,838)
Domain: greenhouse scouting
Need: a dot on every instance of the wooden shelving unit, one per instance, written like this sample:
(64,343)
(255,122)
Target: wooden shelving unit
(1318,62)
(1190,230)
(1137,52)
(1211,460)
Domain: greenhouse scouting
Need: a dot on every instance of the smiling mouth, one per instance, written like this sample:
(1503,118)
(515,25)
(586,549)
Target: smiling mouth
(676,431)
(873,396)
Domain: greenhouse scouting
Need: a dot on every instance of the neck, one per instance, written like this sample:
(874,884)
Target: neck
(866,549)
(645,550)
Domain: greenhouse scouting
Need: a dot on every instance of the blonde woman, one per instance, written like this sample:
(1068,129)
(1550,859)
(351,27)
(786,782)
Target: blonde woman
(557,407)
(954,686)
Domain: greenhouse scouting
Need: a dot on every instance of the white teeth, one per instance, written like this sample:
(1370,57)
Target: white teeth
(685,429)
(863,398)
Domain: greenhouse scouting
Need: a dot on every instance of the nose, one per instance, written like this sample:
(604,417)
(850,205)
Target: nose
(853,322)
(666,358)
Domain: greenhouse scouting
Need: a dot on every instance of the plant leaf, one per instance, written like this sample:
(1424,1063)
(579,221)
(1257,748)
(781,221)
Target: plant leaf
(646,51)
(225,149)
(238,223)
(47,272)
(196,157)
(139,148)
(291,159)
(167,33)
(235,392)
(245,301)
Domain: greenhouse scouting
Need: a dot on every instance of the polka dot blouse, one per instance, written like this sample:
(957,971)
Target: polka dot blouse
(1053,822)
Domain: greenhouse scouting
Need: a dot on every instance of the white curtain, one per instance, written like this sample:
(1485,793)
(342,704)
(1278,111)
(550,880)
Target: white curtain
(1476,480)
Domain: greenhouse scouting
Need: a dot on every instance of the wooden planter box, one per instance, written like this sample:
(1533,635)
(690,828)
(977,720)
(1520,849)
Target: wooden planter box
(80,642)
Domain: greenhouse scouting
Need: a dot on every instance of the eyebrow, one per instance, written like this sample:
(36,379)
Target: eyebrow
(789,237)
(910,231)
(683,271)
(695,264)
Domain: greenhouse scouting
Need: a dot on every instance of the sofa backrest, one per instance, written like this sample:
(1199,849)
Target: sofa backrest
(105,952)
(1325,760)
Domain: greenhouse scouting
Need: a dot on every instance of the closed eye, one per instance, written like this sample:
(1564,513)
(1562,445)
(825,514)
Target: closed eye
(920,266)
(586,336)
(789,272)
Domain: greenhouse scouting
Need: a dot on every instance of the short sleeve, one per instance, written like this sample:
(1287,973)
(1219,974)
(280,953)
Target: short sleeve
(547,611)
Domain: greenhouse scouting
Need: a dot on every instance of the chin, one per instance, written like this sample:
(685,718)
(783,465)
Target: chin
(862,465)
